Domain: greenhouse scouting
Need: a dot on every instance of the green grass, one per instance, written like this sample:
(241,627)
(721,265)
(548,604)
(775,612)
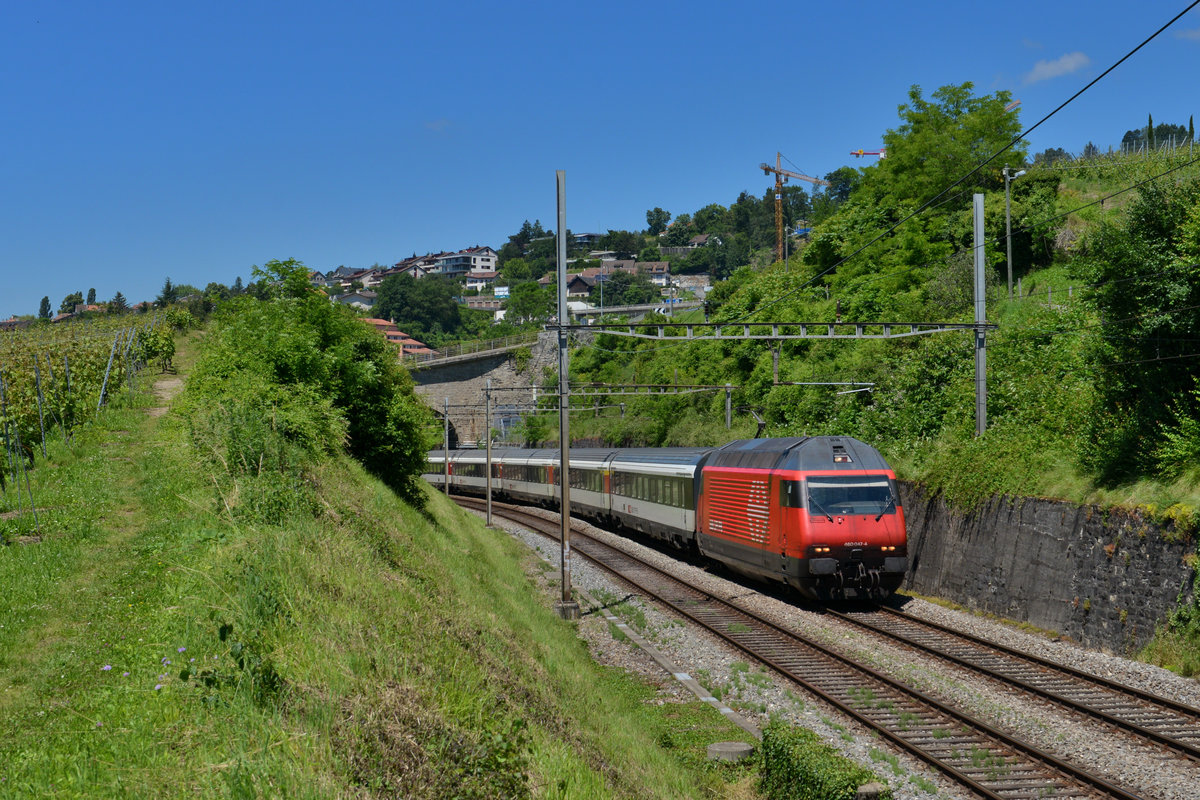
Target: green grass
(370,650)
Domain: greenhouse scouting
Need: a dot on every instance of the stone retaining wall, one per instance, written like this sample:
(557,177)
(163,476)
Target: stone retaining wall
(464,384)
(1104,579)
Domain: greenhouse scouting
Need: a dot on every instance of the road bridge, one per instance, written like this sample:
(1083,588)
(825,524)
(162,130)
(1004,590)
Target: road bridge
(462,381)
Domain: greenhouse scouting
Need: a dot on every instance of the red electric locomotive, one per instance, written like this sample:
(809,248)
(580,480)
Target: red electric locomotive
(821,514)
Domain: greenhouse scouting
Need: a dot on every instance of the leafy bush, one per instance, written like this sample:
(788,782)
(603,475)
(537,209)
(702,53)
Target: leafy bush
(288,378)
(1179,447)
(155,345)
(797,765)
(179,318)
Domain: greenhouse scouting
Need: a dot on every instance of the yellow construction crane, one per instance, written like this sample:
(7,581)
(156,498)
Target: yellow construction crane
(781,176)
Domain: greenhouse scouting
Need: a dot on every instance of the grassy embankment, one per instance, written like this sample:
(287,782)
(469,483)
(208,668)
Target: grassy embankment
(151,645)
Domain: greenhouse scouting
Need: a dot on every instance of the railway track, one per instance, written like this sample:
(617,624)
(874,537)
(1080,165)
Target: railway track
(983,759)
(1156,719)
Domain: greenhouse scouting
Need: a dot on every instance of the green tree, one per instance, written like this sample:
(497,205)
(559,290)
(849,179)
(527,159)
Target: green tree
(69,302)
(713,218)
(278,279)
(118,303)
(529,303)
(1146,271)
(656,221)
(91,296)
(841,183)
(1050,156)
(624,243)
(516,270)
(44,309)
(649,252)
(168,295)
(679,232)
(942,139)
(627,289)
(424,309)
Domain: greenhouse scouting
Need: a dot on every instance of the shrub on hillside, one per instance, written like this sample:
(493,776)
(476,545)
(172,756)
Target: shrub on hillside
(316,378)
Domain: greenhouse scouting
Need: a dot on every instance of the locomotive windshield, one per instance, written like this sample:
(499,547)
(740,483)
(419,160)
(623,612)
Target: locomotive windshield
(864,494)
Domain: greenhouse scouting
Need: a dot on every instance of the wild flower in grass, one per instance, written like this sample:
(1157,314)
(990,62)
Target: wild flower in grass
(190,660)
(180,650)
(157,686)
(166,661)
(124,674)
(106,667)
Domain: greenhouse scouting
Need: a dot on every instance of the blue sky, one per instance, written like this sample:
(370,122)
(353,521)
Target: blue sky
(149,140)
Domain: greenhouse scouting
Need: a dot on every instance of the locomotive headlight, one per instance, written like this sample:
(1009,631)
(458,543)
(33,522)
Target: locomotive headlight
(821,549)
(887,548)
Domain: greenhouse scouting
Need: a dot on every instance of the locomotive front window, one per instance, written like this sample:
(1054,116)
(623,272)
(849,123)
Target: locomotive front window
(871,494)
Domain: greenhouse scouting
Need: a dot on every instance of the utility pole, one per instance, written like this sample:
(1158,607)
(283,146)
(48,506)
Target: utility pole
(487,433)
(446,443)
(568,608)
(980,324)
(1008,221)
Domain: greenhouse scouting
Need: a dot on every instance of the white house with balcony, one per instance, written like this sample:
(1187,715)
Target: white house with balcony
(473,259)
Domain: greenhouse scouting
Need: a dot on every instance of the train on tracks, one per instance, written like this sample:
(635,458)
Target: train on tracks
(821,514)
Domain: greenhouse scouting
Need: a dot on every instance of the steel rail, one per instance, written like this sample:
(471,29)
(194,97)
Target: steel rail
(1053,771)
(1186,716)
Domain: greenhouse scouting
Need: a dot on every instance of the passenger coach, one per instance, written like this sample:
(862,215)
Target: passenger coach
(821,514)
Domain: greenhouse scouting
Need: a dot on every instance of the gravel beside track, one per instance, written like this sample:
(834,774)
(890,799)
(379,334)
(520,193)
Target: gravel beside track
(1145,769)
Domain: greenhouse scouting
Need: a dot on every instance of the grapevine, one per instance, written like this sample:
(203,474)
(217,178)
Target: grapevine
(52,379)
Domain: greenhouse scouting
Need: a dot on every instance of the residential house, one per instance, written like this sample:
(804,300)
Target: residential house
(659,272)
(579,286)
(454,265)
(407,345)
(417,266)
(587,239)
(479,280)
(363,299)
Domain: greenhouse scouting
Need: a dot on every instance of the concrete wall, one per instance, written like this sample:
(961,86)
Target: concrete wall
(464,384)
(1103,579)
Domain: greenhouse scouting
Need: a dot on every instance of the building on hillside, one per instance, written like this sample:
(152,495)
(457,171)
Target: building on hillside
(14,323)
(480,280)
(362,299)
(417,266)
(659,272)
(580,286)
(587,239)
(407,345)
(454,265)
